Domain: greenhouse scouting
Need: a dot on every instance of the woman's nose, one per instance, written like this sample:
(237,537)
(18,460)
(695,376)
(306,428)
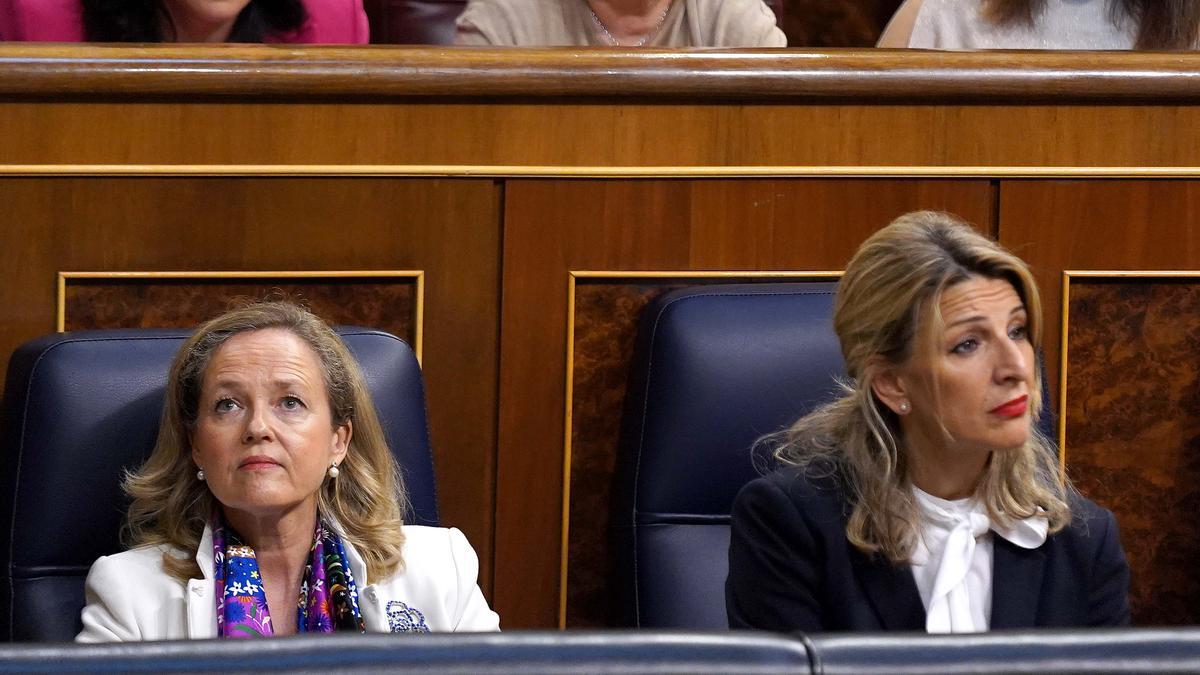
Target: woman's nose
(257,428)
(1013,363)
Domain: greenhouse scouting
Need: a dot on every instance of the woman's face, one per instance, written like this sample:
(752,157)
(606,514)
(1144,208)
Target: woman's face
(978,379)
(264,434)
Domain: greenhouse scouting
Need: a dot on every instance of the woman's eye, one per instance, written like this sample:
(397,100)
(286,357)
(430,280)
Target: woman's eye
(225,405)
(966,346)
(291,403)
(1018,332)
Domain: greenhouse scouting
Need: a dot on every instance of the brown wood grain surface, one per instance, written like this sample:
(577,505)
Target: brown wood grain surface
(263,72)
(449,229)
(429,134)
(1129,413)
(1097,225)
(385,303)
(553,227)
(1133,430)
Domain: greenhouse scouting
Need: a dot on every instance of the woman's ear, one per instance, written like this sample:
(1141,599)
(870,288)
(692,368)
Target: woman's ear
(890,388)
(341,441)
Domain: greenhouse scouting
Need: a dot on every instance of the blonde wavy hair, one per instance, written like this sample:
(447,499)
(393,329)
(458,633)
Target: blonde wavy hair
(887,310)
(171,508)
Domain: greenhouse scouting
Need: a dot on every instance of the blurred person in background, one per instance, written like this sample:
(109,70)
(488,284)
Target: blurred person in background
(1045,24)
(619,23)
(192,21)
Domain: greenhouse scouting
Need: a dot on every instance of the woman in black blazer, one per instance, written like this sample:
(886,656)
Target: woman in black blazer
(924,498)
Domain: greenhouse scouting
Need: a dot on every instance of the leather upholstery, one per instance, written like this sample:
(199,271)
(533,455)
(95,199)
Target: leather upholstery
(715,368)
(527,653)
(1043,652)
(83,407)
(533,653)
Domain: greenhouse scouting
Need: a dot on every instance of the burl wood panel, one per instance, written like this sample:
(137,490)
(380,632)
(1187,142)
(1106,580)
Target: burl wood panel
(552,227)
(1058,225)
(1133,430)
(385,303)
(448,228)
(605,327)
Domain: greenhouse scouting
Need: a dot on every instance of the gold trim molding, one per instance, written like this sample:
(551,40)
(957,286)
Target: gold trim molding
(576,276)
(533,171)
(418,276)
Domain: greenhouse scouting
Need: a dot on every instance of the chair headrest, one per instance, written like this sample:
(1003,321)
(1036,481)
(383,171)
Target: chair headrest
(716,369)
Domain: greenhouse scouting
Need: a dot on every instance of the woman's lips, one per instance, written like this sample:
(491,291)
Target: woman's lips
(1013,408)
(257,463)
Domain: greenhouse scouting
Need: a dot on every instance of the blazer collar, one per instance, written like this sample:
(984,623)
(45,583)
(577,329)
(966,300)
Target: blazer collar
(891,590)
(1016,584)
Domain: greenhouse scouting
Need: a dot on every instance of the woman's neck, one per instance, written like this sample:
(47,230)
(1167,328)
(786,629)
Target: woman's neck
(629,21)
(282,544)
(948,473)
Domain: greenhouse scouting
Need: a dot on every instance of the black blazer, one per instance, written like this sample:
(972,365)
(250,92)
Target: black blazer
(792,568)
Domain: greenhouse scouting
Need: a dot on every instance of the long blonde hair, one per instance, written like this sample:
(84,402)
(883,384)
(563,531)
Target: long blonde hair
(886,304)
(171,508)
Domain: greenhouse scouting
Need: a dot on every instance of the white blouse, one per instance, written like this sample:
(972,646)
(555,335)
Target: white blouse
(952,563)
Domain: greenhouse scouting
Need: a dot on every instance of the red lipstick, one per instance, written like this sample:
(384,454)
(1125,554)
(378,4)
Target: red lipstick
(1013,408)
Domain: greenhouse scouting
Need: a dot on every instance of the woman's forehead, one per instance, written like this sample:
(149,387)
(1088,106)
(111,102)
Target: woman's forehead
(273,353)
(978,296)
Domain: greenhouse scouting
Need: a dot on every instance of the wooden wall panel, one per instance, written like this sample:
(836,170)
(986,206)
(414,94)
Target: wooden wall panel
(596,135)
(386,303)
(1128,443)
(448,228)
(553,227)
(1057,225)
(1132,415)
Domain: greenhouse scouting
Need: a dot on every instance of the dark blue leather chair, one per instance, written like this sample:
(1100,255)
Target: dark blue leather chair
(529,653)
(1046,652)
(715,369)
(83,407)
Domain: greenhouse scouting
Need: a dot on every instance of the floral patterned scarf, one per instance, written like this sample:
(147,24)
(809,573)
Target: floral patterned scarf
(328,597)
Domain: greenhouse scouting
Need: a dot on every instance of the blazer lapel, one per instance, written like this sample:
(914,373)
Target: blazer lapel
(891,590)
(201,606)
(1016,584)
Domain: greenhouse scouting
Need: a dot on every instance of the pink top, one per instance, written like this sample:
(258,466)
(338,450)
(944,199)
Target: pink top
(329,22)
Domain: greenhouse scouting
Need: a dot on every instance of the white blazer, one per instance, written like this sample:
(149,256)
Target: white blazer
(130,597)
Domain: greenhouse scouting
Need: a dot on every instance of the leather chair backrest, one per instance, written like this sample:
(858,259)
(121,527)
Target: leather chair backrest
(82,408)
(715,369)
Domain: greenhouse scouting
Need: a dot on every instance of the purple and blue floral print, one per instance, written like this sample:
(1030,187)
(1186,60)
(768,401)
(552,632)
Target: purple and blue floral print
(328,599)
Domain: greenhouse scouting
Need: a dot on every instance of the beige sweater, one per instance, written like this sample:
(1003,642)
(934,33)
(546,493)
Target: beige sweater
(568,23)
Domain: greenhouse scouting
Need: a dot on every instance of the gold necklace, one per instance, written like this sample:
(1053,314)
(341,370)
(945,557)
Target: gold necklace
(612,41)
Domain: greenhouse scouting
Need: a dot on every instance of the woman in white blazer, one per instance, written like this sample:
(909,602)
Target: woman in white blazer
(271,503)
